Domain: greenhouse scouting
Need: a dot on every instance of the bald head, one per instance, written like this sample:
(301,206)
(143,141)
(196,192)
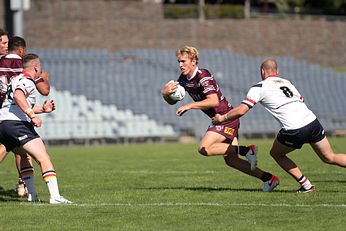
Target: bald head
(269,68)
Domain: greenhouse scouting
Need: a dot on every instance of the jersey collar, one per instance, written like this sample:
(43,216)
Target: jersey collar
(13,56)
(273,76)
(193,75)
(26,75)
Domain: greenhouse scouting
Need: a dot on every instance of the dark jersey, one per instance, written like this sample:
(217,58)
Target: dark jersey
(201,85)
(10,66)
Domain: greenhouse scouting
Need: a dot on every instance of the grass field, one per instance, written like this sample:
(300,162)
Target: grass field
(171,187)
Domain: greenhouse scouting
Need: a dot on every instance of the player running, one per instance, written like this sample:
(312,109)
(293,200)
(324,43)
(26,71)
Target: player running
(299,125)
(219,139)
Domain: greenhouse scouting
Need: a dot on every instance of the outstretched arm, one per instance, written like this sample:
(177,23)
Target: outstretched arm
(48,106)
(211,101)
(233,114)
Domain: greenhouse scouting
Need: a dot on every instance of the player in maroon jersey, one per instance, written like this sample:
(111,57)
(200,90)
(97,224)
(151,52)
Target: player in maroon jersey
(10,66)
(3,52)
(220,139)
(3,42)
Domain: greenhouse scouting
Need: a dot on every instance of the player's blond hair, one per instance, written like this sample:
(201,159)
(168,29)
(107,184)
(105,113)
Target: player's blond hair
(191,52)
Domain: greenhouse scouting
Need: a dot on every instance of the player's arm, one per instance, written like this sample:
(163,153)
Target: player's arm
(48,106)
(20,100)
(42,83)
(168,89)
(211,101)
(233,114)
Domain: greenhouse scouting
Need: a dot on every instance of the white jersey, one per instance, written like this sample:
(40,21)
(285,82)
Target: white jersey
(282,100)
(10,110)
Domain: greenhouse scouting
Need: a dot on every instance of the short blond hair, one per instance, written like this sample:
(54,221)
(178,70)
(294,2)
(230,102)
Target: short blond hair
(191,52)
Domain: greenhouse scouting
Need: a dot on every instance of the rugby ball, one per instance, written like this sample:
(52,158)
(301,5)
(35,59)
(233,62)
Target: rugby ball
(179,94)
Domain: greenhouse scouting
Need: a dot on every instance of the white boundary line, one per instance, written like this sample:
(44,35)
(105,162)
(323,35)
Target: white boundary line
(168,204)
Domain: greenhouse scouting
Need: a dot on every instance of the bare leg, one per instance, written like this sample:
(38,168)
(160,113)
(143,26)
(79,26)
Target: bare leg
(36,149)
(279,153)
(3,152)
(213,144)
(327,155)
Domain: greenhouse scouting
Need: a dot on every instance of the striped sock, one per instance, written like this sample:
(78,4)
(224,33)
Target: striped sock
(304,182)
(50,178)
(27,174)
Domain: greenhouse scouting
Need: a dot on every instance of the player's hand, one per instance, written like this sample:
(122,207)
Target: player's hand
(48,106)
(45,76)
(217,119)
(182,110)
(36,122)
(170,87)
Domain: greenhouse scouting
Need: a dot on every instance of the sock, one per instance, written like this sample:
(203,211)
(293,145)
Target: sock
(304,182)
(52,183)
(242,150)
(266,176)
(27,174)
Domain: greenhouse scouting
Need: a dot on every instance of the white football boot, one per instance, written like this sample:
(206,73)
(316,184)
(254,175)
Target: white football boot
(61,200)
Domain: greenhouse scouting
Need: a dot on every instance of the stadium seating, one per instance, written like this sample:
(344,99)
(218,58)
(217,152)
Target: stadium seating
(118,93)
(79,118)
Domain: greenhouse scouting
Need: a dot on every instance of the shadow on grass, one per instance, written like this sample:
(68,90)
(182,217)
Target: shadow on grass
(214,189)
(7,195)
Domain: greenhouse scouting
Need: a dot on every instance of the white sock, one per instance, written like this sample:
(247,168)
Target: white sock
(52,183)
(304,182)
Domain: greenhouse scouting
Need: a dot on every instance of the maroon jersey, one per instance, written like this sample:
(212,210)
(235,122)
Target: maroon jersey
(201,85)
(10,66)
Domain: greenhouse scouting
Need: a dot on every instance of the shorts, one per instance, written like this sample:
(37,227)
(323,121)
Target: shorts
(227,129)
(15,133)
(311,133)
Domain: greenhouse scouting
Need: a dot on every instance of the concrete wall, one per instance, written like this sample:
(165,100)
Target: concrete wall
(122,24)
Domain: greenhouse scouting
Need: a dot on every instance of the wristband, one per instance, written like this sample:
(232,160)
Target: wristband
(30,113)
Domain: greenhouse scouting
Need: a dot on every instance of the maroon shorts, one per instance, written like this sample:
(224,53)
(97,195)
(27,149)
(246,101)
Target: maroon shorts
(227,129)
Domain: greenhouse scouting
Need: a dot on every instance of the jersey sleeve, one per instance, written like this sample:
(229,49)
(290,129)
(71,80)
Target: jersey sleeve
(253,96)
(208,83)
(23,85)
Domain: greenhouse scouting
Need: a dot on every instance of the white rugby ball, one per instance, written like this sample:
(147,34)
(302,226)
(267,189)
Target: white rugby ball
(179,94)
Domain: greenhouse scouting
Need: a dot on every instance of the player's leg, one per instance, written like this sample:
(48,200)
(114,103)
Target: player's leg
(26,174)
(326,153)
(37,150)
(3,152)
(21,188)
(213,143)
(279,152)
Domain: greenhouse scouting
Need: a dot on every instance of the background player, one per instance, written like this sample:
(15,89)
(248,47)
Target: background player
(207,96)
(16,131)
(10,66)
(299,125)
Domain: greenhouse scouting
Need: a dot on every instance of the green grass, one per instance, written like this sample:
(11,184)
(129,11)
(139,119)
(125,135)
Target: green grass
(171,187)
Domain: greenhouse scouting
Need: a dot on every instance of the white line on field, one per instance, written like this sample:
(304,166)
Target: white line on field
(168,204)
